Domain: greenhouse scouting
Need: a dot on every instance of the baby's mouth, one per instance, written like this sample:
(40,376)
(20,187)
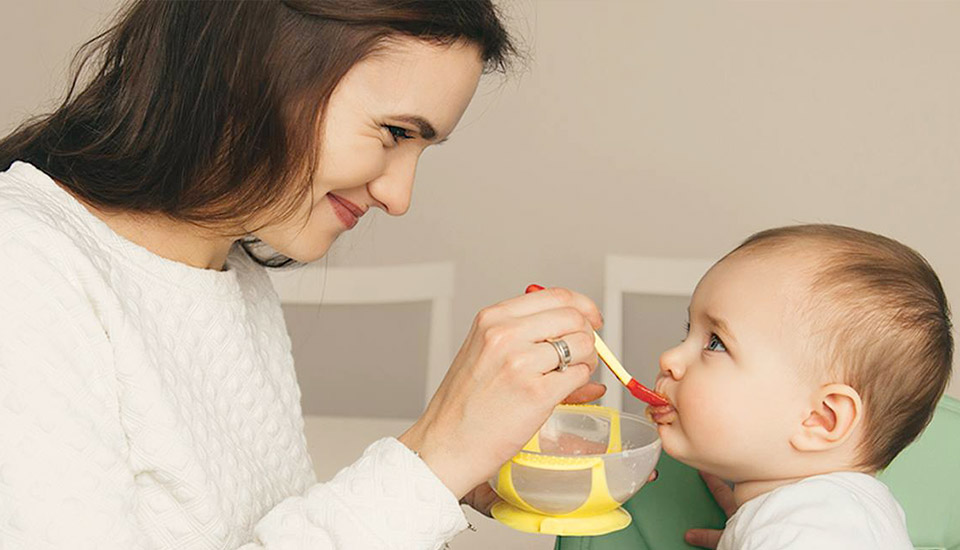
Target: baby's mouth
(665,414)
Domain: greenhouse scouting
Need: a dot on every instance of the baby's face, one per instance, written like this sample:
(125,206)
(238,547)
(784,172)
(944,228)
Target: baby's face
(736,382)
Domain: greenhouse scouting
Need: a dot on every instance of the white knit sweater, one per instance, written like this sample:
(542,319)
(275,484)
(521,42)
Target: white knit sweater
(148,404)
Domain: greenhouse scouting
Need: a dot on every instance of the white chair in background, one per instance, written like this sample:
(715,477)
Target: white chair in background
(337,441)
(640,275)
(315,284)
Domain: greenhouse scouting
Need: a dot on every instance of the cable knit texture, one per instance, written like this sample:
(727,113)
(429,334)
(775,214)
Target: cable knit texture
(148,404)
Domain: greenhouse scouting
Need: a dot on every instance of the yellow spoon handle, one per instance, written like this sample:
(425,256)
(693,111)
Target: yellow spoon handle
(610,359)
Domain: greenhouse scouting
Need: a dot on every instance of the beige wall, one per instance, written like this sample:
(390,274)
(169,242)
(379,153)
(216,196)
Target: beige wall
(37,43)
(657,128)
(651,128)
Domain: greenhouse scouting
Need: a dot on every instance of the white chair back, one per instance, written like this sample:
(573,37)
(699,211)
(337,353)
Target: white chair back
(625,275)
(316,284)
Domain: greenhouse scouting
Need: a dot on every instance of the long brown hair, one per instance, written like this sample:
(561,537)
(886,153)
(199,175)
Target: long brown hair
(207,111)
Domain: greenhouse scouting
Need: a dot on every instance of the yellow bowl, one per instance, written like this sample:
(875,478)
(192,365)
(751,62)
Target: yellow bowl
(574,474)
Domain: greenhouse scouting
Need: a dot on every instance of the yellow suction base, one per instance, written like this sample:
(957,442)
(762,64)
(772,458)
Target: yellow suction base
(529,522)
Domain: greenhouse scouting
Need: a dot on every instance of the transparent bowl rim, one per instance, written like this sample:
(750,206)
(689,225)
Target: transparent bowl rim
(636,450)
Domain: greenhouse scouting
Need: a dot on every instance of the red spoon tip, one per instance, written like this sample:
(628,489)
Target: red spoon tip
(532,288)
(646,395)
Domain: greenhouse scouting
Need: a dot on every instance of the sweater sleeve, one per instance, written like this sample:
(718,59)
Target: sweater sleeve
(65,475)
(388,499)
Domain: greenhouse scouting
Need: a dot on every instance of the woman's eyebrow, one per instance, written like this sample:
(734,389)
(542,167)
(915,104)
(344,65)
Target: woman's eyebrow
(426,130)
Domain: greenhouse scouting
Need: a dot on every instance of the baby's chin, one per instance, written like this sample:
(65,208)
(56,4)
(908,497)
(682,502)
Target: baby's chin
(675,443)
(667,441)
(671,438)
(680,450)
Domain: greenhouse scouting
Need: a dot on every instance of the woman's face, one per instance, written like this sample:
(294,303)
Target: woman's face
(382,115)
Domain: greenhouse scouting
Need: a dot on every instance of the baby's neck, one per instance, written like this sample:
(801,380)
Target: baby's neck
(748,490)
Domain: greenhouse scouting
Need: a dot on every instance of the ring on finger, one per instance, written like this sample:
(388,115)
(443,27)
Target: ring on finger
(563,351)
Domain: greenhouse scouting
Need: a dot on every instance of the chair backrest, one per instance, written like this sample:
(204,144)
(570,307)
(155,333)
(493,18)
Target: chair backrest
(925,478)
(626,275)
(431,283)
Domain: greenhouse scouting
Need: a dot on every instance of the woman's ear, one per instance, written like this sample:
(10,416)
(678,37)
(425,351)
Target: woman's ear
(837,411)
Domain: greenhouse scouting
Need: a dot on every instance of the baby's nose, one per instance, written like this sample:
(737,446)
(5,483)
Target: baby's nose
(671,363)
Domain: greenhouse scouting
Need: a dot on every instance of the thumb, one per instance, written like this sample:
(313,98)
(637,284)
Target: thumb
(481,498)
(562,384)
(591,391)
(704,538)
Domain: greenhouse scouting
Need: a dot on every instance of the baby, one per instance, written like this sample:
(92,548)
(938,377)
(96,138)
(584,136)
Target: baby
(814,354)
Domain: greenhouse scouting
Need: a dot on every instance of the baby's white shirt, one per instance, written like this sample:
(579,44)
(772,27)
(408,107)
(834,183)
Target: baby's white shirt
(842,510)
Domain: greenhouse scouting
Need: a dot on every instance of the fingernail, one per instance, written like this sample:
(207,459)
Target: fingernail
(656,474)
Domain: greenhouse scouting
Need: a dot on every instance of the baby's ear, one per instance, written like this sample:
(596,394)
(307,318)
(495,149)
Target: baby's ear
(836,412)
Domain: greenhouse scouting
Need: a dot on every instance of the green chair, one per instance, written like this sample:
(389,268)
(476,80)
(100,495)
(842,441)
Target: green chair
(925,478)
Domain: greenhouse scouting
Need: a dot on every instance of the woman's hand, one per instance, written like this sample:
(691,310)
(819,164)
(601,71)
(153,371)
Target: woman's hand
(503,385)
(723,494)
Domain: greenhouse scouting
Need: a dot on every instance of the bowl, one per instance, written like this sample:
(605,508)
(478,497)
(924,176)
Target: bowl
(573,475)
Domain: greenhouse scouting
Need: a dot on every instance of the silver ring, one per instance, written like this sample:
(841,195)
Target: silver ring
(563,350)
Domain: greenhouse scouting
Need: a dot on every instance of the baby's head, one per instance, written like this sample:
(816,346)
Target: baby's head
(810,349)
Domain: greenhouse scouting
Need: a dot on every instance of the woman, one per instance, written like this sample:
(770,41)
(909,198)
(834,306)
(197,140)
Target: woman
(147,391)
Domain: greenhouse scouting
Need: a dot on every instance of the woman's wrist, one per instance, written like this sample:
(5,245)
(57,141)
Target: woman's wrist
(412,440)
(448,469)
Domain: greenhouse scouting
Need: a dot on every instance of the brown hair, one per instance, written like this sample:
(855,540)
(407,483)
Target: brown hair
(207,111)
(887,333)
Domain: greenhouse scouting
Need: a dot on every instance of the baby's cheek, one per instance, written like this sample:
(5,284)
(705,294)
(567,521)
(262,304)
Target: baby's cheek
(709,421)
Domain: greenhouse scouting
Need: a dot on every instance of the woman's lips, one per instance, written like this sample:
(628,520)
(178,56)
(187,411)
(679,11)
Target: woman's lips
(348,212)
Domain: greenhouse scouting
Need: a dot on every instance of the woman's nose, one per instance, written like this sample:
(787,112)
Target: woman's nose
(394,189)
(672,364)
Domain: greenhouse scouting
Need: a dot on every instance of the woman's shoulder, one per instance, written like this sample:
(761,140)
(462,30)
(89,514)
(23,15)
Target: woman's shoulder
(38,251)
(34,215)
(48,296)
(45,229)
(47,253)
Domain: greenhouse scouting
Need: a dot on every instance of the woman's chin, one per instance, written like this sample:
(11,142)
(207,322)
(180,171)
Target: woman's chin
(304,252)
(306,257)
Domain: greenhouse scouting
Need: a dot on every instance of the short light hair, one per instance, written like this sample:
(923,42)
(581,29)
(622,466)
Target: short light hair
(886,327)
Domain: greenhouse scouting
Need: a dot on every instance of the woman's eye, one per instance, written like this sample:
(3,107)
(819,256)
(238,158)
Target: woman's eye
(398,133)
(715,344)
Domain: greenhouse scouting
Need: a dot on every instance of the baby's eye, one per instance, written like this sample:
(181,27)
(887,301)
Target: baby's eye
(715,344)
